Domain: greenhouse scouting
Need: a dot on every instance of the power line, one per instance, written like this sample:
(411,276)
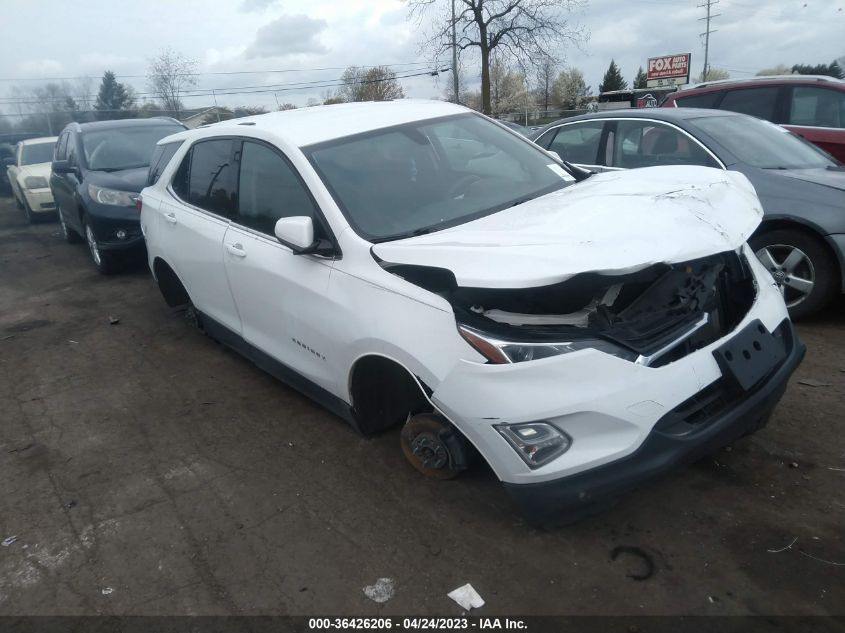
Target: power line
(226,72)
(333,83)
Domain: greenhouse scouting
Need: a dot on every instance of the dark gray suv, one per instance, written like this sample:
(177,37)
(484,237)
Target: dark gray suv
(97,172)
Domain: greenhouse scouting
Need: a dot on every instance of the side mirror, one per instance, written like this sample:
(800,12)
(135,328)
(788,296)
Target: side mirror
(62,167)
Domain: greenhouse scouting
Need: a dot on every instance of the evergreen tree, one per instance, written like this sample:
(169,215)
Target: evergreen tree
(113,98)
(641,80)
(833,69)
(613,79)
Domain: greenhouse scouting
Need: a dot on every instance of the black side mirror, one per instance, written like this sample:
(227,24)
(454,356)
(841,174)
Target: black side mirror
(62,167)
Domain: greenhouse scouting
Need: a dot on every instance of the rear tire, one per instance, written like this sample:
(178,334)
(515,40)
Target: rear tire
(806,272)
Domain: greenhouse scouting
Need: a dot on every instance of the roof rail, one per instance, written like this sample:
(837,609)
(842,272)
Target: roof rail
(795,76)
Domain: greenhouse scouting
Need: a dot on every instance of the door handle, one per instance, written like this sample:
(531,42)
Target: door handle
(236,249)
(170,217)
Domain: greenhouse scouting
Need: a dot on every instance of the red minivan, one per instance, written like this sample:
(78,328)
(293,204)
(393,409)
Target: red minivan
(810,105)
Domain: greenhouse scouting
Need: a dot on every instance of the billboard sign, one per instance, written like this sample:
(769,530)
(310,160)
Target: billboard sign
(667,71)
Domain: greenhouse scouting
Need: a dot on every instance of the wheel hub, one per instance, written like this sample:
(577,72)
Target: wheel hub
(430,451)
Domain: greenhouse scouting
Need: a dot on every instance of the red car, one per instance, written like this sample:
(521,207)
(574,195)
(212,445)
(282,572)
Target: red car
(810,105)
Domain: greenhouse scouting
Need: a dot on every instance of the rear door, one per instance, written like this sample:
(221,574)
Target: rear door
(194,219)
(818,114)
(646,143)
(281,297)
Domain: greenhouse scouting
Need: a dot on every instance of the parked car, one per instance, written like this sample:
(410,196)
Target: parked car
(28,172)
(8,141)
(414,263)
(97,172)
(516,127)
(801,240)
(809,105)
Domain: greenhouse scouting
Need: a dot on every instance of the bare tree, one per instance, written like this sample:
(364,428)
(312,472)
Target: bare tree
(545,74)
(521,29)
(378,83)
(169,75)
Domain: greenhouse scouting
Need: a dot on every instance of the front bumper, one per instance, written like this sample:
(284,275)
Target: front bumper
(106,230)
(40,200)
(570,498)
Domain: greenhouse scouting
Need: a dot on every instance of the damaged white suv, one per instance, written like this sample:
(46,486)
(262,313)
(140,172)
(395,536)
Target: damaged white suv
(414,263)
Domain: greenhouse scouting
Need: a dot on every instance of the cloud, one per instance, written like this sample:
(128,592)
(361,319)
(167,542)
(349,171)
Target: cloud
(41,67)
(248,6)
(288,35)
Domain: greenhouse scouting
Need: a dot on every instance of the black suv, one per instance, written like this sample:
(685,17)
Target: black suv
(98,171)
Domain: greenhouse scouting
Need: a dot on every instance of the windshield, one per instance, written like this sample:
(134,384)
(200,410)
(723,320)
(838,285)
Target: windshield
(762,144)
(37,153)
(428,175)
(124,147)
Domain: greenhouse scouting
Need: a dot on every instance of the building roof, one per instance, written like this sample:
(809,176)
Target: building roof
(307,126)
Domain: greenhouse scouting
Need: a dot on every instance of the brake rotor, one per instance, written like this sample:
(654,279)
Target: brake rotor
(424,443)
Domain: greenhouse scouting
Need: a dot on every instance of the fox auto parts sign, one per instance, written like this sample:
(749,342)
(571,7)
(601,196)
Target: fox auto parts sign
(668,70)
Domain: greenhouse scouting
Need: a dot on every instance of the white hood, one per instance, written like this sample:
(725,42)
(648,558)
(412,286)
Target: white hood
(612,223)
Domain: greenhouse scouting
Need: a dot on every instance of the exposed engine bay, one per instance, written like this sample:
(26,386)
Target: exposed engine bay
(665,309)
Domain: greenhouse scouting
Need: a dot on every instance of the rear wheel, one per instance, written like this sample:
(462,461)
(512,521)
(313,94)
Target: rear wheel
(806,273)
(105,262)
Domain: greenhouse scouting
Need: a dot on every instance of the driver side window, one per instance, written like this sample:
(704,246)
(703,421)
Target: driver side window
(269,189)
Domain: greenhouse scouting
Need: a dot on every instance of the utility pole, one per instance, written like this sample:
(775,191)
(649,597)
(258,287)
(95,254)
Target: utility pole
(454,56)
(708,4)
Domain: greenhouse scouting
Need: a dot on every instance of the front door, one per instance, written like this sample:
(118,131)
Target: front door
(281,297)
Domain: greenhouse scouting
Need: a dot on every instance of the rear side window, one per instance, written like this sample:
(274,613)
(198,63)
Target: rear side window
(577,143)
(161,158)
(817,107)
(650,144)
(269,189)
(701,100)
(207,177)
(759,102)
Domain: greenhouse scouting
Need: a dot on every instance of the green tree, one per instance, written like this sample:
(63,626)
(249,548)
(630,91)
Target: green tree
(613,79)
(833,69)
(641,80)
(114,100)
(780,69)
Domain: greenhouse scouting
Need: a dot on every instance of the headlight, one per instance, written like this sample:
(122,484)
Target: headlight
(500,351)
(35,182)
(113,197)
(537,443)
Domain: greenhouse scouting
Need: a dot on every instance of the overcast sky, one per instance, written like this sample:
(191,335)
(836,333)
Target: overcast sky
(60,38)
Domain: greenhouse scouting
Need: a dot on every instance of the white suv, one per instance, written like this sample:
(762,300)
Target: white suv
(415,263)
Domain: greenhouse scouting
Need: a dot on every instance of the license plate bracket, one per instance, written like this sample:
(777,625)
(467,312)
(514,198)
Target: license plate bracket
(749,356)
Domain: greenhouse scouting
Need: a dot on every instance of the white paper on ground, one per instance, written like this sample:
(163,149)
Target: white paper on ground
(467,597)
(382,591)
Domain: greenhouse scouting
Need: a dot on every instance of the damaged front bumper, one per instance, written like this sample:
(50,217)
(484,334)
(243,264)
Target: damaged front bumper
(568,499)
(616,412)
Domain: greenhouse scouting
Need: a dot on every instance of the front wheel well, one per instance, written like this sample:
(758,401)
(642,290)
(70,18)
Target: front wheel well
(384,394)
(171,287)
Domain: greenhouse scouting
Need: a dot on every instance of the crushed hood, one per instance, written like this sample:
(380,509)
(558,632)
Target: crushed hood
(612,223)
